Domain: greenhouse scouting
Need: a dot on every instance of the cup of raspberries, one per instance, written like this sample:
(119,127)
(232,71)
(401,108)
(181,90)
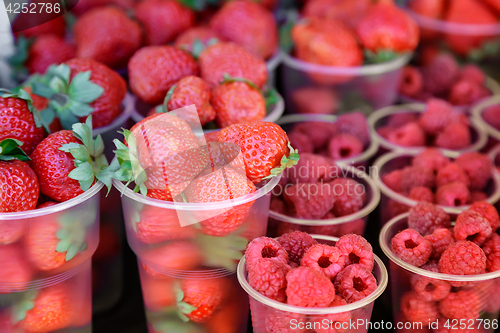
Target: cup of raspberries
(445,272)
(410,127)
(301,282)
(495,156)
(433,176)
(488,115)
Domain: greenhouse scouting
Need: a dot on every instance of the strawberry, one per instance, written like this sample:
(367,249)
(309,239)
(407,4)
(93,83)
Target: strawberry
(199,299)
(187,39)
(265,148)
(429,8)
(229,58)
(16,272)
(157,293)
(177,256)
(107,35)
(84,6)
(56,26)
(495,4)
(48,50)
(41,103)
(163,20)
(315,100)
(350,12)
(247,24)
(387,30)
(154,69)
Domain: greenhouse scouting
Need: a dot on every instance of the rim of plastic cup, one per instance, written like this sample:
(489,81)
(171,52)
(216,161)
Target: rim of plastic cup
(268,186)
(440,276)
(56,208)
(384,189)
(128,108)
(477,113)
(275,60)
(367,209)
(482,137)
(493,154)
(364,156)
(372,69)
(382,284)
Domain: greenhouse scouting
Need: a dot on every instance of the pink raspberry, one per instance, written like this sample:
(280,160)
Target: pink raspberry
(431,158)
(411,247)
(318,132)
(312,168)
(436,116)
(417,176)
(491,249)
(426,217)
(409,135)
(352,227)
(489,212)
(335,320)
(283,322)
(440,239)
(421,193)
(452,195)
(473,227)
(465,92)
(286,228)
(324,258)
(430,289)
(349,196)
(308,287)
(477,196)
(454,136)
(463,304)
(356,250)
(301,142)
(492,116)
(268,277)
(416,309)
(309,201)
(354,123)
(264,247)
(478,166)
(394,180)
(296,244)
(472,73)
(401,118)
(440,74)
(431,266)
(354,283)
(450,174)
(343,146)
(385,131)
(412,81)
(463,258)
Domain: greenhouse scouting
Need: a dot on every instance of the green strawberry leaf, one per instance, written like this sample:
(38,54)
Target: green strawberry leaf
(70,20)
(80,109)
(168,97)
(18,60)
(285,31)
(72,251)
(226,78)
(196,5)
(64,244)
(160,109)
(271,97)
(22,305)
(42,89)
(286,162)
(10,150)
(83,90)
(223,251)
(62,71)
(174,325)
(197,48)
(380,56)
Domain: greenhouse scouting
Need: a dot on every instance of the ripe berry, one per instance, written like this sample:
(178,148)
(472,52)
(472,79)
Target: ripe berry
(436,116)
(426,217)
(344,146)
(411,82)
(268,277)
(307,287)
(349,196)
(394,180)
(454,136)
(431,158)
(491,249)
(417,309)
(264,247)
(354,283)
(463,258)
(473,227)
(411,247)
(357,250)
(488,211)
(430,289)
(421,193)
(479,168)
(440,239)
(409,135)
(450,174)
(296,244)
(453,195)
(324,258)
(417,176)
(463,304)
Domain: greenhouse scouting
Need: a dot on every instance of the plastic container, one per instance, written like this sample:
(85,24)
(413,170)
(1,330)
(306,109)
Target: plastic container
(272,66)
(287,122)
(393,203)
(379,118)
(409,282)
(265,311)
(477,113)
(32,268)
(368,87)
(353,223)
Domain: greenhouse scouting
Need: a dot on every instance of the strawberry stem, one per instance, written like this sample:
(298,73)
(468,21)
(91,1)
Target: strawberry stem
(286,162)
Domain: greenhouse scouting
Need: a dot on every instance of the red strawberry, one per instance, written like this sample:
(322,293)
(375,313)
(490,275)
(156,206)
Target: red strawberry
(157,293)
(47,50)
(183,256)
(56,26)
(495,4)
(433,9)
(84,6)
(163,20)
(315,100)
(350,12)
(201,298)
(107,35)
(154,69)
(16,272)
(187,39)
(40,103)
(247,24)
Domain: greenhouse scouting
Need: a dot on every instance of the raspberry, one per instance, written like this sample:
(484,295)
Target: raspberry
(431,158)
(466,92)
(409,135)
(437,114)
(426,217)
(431,266)
(492,304)
(301,142)
(307,287)
(411,247)
(463,258)
(315,100)
(264,247)
(354,283)
(385,131)
(312,168)
(477,196)
(344,146)
(464,304)
(417,176)
(421,193)
(411,82)
(393,180)
(286,228)
(440,74)
(472,73)
(296,244)
(430,289)
(473,227)
(352,227)
(318,132)
(454,136)
(324,258)
(416,309)
(450,174)
(283,322)
(453,195)
(440,239)
(349,196)
(402,118)
(354,123)
(356,250)
(268,277)
(491,249)
(334,320)
(489,212)
(277,205)
(479,168)
(309,201)
(492,116)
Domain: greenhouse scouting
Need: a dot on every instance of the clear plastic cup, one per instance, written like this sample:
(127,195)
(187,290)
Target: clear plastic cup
(426,289)
(287,122)
(367,87)
(339,226)
(393,203)
(356,316)
(32,267)
(477,113)
(380,117)
(272,66)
